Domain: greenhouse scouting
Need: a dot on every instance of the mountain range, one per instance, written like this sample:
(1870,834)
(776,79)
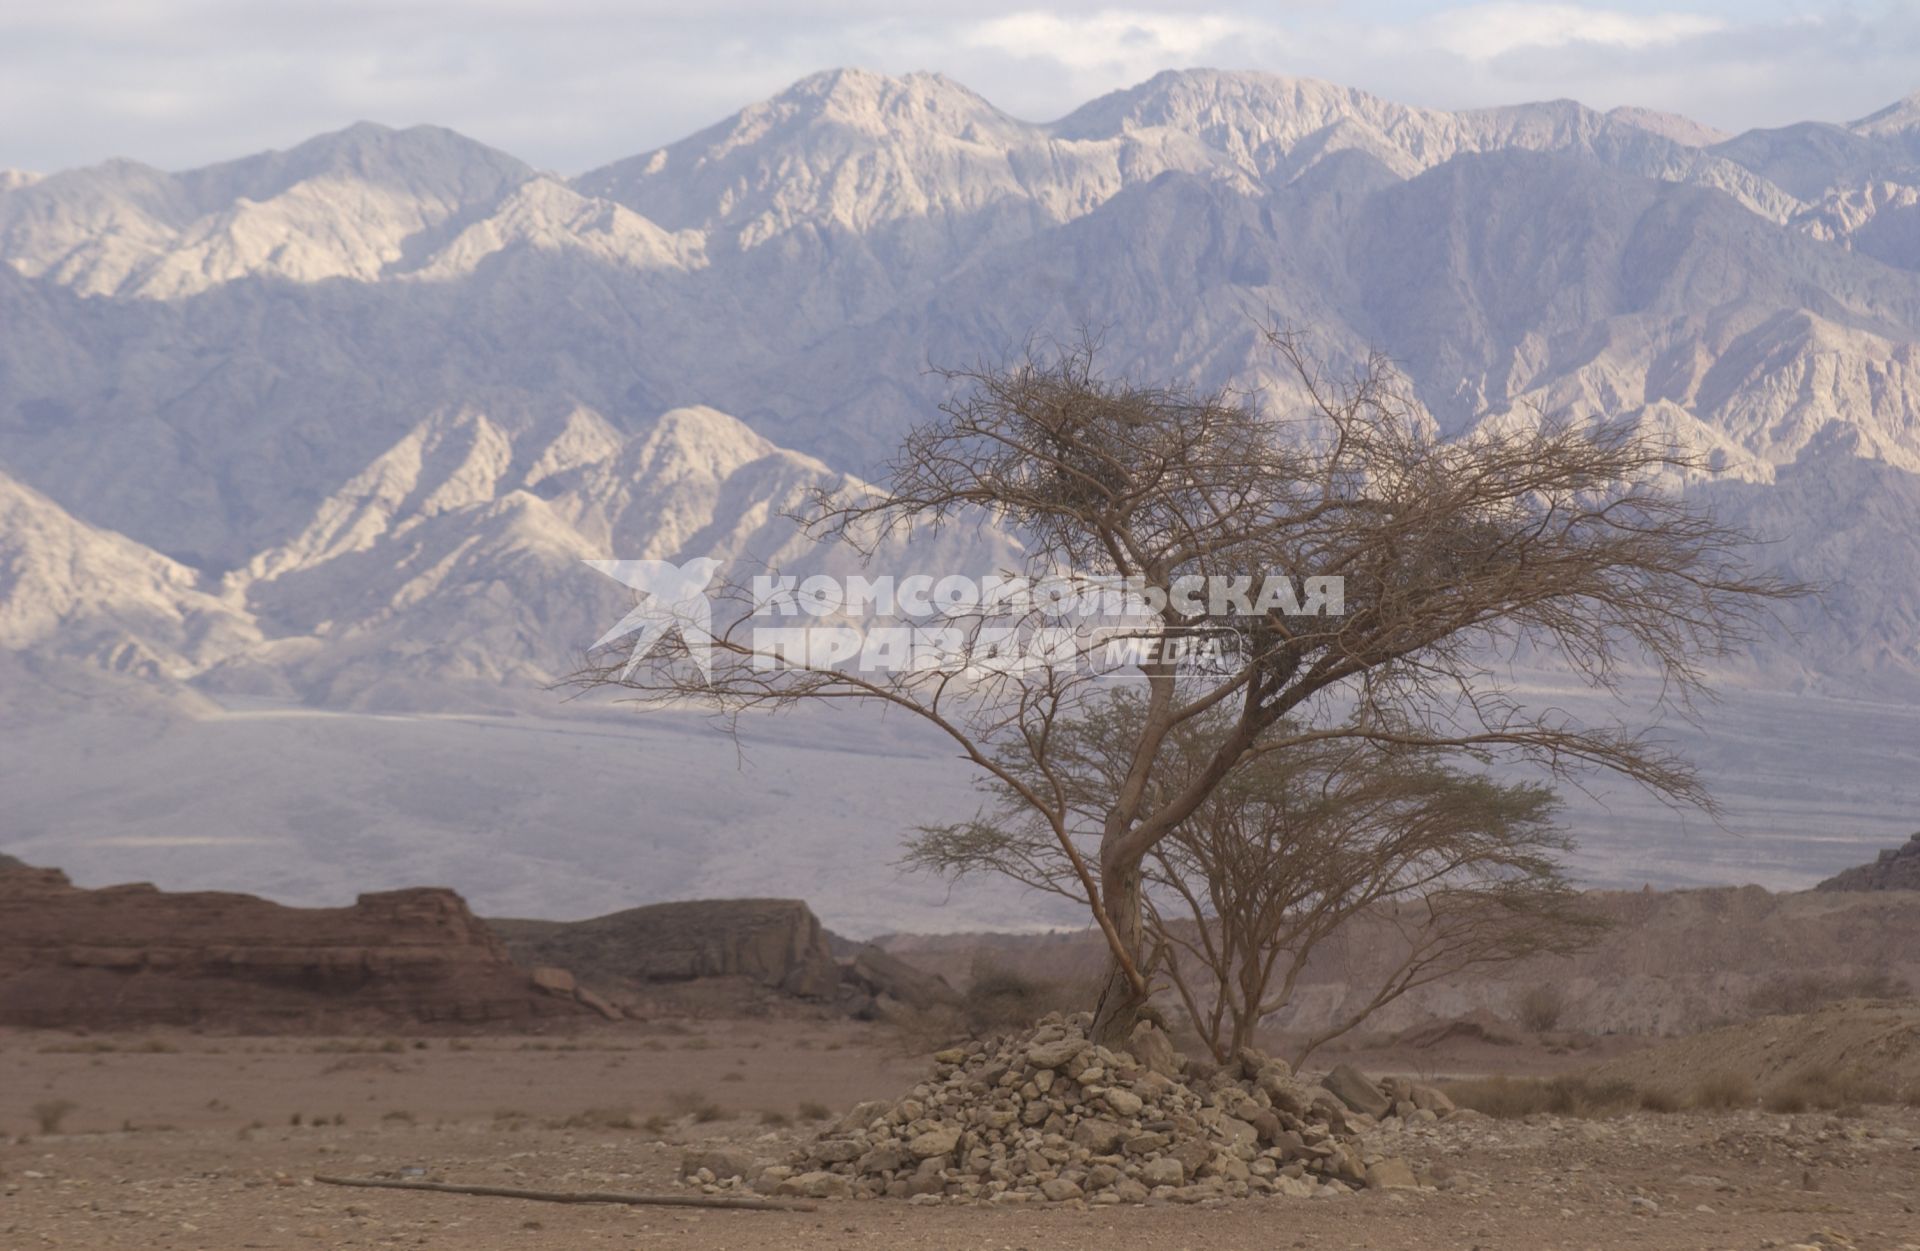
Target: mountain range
(332,428)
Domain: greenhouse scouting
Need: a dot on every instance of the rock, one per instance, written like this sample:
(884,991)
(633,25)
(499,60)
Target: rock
(1048,1115)
(1055,1055)
(881,974)
(1353,1089)
(1192,1153)
(721,1164)
(1391,1174)
(935,1142)
(1145,1144)
(1165,1171)
(1897,868)
(554,981)
(778,943)
(1432,1099)
(1101,1137)
(1153,1049)
(835,1151)
(127,957)
(815,1185)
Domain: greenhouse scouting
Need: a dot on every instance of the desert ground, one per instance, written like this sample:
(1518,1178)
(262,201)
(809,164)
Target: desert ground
(174,1140)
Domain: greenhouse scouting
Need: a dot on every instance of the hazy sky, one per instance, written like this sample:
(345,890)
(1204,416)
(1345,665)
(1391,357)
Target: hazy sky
(568,84)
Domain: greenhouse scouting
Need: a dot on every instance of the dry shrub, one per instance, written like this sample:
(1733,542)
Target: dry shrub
(773,1118)
(1657,1100)
(1567,1095)
(1542,1006)
(1812,1089)
(1791,994)
(697,1105)
(1723,1091)
(598,1118)
(999,999)
(50,1114)
(813,1111)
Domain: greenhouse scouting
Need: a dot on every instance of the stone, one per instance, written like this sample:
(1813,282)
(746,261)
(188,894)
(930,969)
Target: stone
(1432,1099)
(778,943)
(1059,1190)
(720,1163)
(1053,1055)
(1353,1089)
(935,1142)
(553,981)
(1165,1171)
(1101,1137)
(862,1114)
(881,974)
(1145,1144)
(836,1151)
(1192,1153)
(1124,1102)
(815,1185)
(1391,1174)
(1153,1049)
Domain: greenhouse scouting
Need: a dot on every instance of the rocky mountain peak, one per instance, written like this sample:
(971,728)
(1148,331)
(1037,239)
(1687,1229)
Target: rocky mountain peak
(1900,116)
(1897,868)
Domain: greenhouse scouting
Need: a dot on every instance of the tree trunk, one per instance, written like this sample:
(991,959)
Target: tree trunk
(1119,1005)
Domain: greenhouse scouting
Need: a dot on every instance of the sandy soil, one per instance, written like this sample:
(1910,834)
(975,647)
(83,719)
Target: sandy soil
(191,1144)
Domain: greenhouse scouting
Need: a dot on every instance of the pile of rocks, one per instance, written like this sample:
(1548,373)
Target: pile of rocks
(1050,1116)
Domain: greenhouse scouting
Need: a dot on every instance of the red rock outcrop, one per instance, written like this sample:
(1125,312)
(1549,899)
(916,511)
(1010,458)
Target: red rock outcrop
(134,956)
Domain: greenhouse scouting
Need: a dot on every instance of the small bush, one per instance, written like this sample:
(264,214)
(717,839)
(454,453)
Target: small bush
(1512,1097)
(733,1077)
(773,1118)
(50,1114)
(657,1124)
(1830,1092)
(599,1118)
(399,1116)
(1724,1091)
(1541,1007)
(697,1105)
(1659,1101)
(1794,994)
(812,1111)
(1000,999)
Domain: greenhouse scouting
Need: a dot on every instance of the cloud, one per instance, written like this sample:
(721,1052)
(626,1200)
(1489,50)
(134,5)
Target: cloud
(1485,31)
(1133,44)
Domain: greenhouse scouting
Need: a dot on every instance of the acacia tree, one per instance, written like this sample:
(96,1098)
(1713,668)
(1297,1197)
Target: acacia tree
(1552,536)
(1443,870)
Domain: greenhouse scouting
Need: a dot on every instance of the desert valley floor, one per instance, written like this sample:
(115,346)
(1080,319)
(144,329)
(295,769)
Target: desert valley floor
(180,1141)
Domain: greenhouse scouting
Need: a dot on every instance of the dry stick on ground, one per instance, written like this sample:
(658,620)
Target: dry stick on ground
(739,1202)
